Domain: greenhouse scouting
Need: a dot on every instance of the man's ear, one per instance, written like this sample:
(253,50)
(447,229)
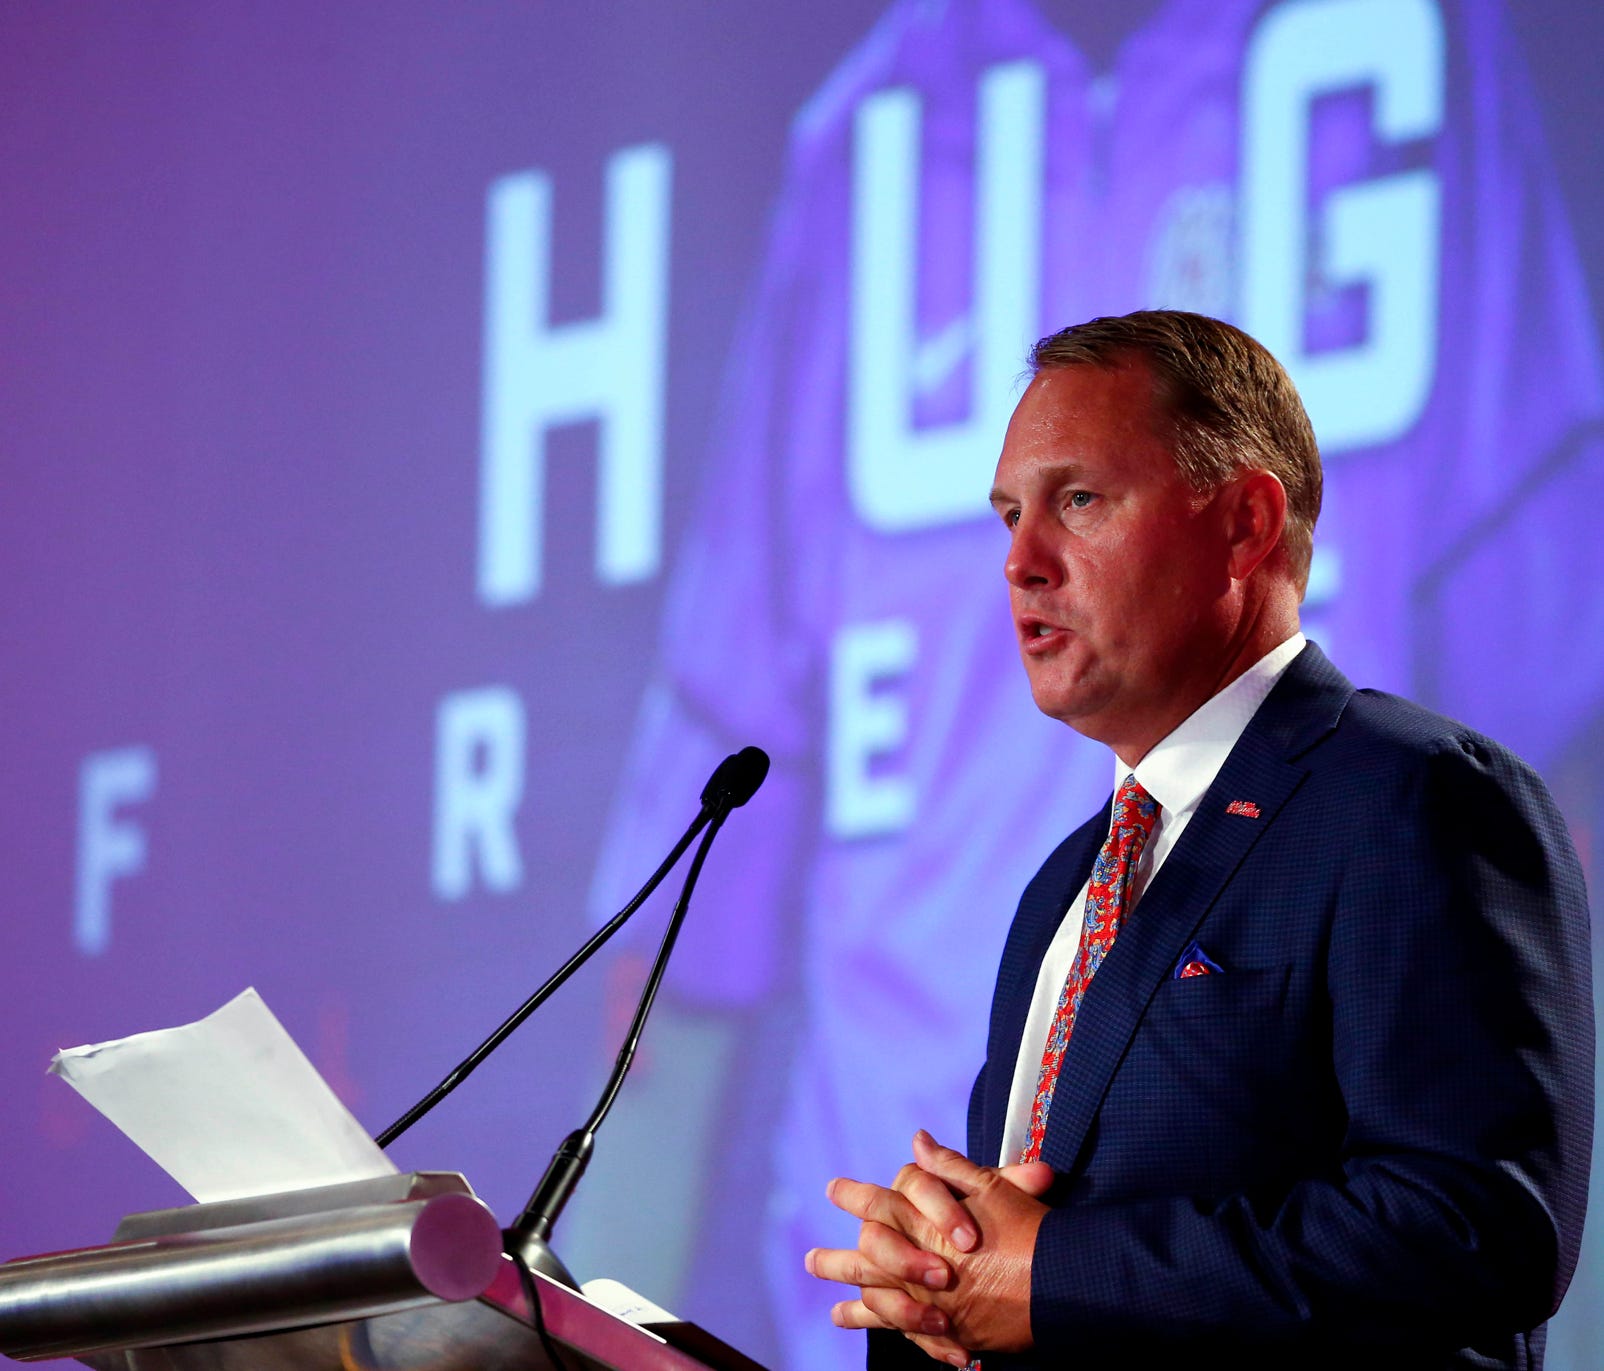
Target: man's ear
(1254,507)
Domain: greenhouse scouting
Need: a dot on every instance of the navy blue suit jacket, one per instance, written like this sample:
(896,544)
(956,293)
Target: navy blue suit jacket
(1365,1141)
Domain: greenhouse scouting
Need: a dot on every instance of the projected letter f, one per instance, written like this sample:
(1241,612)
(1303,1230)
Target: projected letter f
(109,847)
(609,368)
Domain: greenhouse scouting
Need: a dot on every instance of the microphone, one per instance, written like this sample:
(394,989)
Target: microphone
(736,779)
(733,782)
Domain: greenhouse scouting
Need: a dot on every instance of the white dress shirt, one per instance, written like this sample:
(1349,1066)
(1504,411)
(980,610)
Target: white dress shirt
(1176,772)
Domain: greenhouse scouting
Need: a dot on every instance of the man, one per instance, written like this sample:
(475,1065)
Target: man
(1290,1055)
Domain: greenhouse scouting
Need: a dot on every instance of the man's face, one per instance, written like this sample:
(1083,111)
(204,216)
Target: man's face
(1117,568)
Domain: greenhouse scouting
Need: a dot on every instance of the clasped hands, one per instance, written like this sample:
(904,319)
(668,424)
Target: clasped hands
(944,1255)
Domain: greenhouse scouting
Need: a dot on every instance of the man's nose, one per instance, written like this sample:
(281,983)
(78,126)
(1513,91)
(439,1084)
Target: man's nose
(1030,562)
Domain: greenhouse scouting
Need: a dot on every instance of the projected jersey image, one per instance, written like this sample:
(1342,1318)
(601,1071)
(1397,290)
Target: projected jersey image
(434,441)
(962,184)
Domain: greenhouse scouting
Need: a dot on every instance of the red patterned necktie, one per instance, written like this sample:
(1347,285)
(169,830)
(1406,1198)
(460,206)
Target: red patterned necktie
(1108,900)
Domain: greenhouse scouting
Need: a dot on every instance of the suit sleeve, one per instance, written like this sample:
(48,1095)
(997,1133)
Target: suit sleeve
(1461,1041)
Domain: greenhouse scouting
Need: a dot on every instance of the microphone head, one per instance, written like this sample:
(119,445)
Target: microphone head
(736,779)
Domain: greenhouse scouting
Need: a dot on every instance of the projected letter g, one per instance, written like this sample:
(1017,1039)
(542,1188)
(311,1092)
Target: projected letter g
(1382,234)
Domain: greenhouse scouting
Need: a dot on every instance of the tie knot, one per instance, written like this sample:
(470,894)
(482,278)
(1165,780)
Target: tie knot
(1134,808)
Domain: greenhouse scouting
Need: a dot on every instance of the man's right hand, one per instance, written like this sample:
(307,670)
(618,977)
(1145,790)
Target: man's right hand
(943,1255)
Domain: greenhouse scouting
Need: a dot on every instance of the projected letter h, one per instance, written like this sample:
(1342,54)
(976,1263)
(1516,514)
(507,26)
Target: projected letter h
(609,368)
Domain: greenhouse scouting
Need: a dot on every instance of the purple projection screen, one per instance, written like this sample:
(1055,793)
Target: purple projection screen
(434,436)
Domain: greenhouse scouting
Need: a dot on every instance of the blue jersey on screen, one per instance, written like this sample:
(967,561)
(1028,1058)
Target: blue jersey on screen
(1367,193)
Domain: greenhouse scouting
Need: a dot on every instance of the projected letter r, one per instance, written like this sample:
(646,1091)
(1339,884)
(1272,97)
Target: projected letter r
(479,784)
(609,369)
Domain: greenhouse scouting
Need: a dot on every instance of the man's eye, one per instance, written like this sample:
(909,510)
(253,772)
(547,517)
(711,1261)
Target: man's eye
(1011,518)
(1081,499)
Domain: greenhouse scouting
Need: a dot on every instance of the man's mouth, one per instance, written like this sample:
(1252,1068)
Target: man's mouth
(1034,632)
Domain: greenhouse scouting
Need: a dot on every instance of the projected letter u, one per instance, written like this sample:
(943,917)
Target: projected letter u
(902,477)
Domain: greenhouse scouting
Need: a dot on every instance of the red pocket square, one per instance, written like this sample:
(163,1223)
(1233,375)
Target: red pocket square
(1195,962)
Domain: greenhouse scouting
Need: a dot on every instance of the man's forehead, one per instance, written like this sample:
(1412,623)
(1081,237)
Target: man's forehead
(1094,418)
(1080,393)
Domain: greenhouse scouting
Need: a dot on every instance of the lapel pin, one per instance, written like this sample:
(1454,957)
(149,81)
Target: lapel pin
(1246,808)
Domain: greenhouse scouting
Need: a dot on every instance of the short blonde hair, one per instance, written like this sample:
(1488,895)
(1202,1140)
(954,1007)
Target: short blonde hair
(1231,406)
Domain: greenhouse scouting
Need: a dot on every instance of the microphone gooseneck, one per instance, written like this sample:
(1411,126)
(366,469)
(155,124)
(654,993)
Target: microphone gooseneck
(738,775)
(529,1237)
(734,783)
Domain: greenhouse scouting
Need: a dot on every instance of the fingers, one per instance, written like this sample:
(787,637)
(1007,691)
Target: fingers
(846,1265)
(942,1349)
(957,1172)
(879,1307)
(925,1326)
(952,1167)
(934,1199)
(898,1309)
(882,1258)
(1034,1178)
(888,1251)
(876,1204)
(855,1314)
(919,1247)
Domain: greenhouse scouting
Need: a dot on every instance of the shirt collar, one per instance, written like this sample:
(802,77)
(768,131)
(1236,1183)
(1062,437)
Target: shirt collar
(1180,767)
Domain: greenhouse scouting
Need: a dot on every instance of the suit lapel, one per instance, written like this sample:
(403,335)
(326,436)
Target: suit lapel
(1304,706)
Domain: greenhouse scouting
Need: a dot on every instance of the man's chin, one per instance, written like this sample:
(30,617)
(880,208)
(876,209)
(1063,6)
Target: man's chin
(1076,707)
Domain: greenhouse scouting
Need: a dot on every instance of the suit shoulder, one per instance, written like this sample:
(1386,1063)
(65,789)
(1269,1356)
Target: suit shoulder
(1408,734)
(1403,756)
(1391,719)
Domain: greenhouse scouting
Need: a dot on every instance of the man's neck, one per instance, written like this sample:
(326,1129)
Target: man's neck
(1268,632)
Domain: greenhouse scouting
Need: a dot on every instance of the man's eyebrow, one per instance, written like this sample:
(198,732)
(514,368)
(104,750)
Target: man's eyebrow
(1057,475)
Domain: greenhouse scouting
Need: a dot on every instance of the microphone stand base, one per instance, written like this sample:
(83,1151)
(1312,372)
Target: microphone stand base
(536,1255)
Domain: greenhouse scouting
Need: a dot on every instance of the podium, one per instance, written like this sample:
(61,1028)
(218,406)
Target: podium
(402,1273)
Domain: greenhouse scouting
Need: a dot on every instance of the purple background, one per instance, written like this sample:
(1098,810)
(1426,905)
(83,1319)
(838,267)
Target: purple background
(240,369)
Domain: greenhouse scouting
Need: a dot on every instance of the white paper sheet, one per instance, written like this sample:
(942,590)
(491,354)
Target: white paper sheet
(622,1302)
(228,1106)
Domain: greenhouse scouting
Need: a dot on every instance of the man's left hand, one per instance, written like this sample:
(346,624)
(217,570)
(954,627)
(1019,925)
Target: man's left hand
(943,1255)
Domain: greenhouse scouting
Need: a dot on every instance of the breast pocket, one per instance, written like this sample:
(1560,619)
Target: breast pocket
(1211,1068)
(1242,994)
